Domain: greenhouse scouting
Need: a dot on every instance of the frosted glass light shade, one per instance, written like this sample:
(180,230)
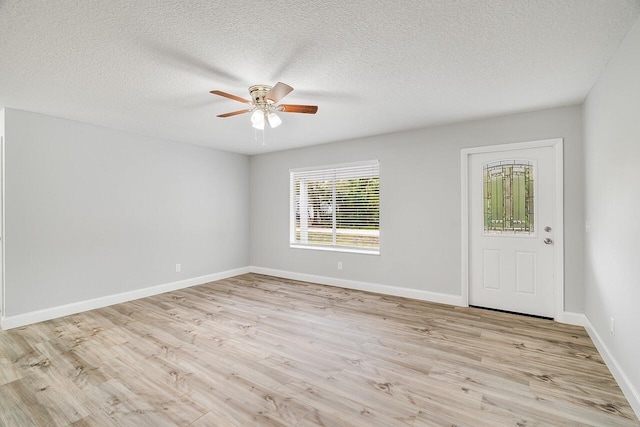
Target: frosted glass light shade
(257,119)
(274,120)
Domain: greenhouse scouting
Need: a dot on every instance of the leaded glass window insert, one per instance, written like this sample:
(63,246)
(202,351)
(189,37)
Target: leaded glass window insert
(509,197)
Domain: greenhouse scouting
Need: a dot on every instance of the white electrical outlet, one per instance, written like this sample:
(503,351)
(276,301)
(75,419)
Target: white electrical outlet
(587,226)
(178,268)
(612,326)
(339,265)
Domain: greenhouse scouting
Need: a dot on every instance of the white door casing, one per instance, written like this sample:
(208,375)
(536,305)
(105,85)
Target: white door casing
(516,272)
(2,298)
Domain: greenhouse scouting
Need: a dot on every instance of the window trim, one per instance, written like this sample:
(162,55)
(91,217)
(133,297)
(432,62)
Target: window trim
(292,210)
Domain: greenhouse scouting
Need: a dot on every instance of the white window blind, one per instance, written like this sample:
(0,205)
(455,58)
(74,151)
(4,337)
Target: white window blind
(336,207)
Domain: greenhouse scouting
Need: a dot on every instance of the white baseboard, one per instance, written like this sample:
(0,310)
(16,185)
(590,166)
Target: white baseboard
(571,318)
(629,391)
(363,286)
(9,322)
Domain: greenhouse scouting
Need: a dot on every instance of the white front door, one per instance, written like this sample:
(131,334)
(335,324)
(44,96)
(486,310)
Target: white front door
(512,229)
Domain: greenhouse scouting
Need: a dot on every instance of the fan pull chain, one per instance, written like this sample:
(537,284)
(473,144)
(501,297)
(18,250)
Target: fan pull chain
(255,136)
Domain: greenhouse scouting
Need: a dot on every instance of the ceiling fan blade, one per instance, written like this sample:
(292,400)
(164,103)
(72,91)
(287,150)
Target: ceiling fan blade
(279,91)
(294,108)
(234,113)
(228,95)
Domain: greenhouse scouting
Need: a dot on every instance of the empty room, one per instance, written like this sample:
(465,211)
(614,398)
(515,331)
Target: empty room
(299,213)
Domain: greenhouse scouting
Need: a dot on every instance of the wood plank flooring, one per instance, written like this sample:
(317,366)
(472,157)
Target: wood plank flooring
(257,350)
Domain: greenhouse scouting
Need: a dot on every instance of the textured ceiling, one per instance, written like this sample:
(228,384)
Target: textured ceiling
(372,66)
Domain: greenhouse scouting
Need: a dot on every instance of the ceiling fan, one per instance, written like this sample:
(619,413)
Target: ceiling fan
(263,104)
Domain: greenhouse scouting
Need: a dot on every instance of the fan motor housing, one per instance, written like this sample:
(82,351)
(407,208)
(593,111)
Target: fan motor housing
(258,95)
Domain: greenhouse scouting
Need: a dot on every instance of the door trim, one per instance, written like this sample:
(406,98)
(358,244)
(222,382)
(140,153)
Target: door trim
(2,239)
(558,214)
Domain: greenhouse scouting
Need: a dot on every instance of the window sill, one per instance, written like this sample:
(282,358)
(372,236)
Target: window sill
(336,249)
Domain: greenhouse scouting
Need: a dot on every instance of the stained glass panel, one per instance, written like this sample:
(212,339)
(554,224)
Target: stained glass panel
(509,197)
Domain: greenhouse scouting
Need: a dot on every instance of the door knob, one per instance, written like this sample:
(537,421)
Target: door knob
(548,241)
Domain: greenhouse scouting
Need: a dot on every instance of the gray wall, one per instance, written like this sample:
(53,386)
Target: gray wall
(612,251)
(92,212)
(420,202)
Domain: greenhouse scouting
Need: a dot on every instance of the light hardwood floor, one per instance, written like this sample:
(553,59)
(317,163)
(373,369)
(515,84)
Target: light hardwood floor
(256,350)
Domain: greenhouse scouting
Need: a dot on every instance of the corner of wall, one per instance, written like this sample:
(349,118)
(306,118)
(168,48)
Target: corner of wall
(610,267)
(10,322)
(627,387)
(571,318)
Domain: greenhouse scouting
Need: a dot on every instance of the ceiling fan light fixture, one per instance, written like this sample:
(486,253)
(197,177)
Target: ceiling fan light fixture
(263,102)
(274,120)
(257,119)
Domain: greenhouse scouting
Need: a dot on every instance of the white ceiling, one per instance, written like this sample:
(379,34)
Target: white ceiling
(371,66)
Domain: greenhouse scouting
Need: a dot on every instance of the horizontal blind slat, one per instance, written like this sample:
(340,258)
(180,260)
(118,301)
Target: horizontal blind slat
(355,209)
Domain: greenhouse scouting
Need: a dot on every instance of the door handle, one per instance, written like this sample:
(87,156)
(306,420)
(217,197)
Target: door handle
(548,241)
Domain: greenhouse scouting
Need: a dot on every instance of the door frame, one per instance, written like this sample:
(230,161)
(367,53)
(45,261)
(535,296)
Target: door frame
(2,248)
(558,214)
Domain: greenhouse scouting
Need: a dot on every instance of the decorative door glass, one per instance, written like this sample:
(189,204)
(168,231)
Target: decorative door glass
(509,197)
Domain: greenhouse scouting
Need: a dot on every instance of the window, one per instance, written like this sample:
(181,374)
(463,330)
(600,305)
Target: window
(509,197)
(336,207)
